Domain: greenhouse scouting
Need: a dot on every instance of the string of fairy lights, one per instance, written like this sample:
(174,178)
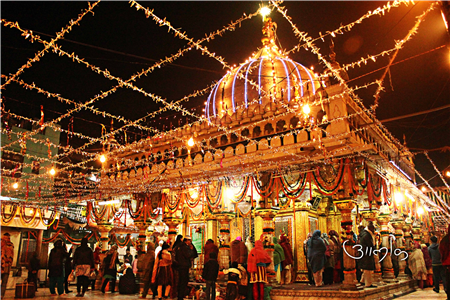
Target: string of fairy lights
(305,42)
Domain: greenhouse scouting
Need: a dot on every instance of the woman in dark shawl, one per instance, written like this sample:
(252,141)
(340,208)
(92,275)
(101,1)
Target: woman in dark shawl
(338,256)
(316,256)
(288,261)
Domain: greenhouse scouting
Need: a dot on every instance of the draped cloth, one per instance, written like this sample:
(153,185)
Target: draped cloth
(417,265)
(257,255)
(316,252)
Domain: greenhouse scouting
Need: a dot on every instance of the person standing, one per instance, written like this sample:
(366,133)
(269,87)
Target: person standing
(367,262)
(278,258)
(258,259)
(444,250)
(67,267)
(176,244)
(147,260)
(56,268)
(162,271)
(316,256)
(128,257)
(110,269)
(83,264)
(428,265)
(238,251)
(97,263)
(306,244)
(210,273)
(416,264)
(338,256)
(7,260)
(436,263)
(288,261)
(33,268)
(184,255)
(127,283)
(329,260)
(209,248)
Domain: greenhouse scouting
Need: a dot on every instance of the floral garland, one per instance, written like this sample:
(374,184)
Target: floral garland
(387,192)
(11,216)
(286,188)
(243,192)
(134,215)
(52,217)
(93,210)
(188,199)
(329,189)
(24,219)
(267,192)
(213,201)
(169,203)
(124,243)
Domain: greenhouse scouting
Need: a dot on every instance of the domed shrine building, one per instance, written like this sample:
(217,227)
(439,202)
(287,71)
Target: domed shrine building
(281,150)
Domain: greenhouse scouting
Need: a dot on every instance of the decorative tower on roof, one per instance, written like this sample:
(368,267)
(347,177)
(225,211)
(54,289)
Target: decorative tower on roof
(269,77)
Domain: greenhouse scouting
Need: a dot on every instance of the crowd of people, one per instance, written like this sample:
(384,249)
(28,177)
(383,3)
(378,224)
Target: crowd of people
(165,270)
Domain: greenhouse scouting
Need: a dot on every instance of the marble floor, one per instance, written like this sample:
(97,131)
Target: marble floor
(43,293)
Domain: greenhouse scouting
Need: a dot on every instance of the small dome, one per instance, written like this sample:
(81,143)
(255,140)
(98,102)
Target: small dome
(267,77)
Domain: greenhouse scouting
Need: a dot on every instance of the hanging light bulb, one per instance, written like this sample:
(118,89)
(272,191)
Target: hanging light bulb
(191,142)
(420,210)
(102,158)
(15,185)
(52,171)
(264,11)
(424,189)
(399,197)
(194,194)
(306,109)
(447,173)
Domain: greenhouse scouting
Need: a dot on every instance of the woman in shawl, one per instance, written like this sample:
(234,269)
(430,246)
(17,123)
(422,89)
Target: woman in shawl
(148,260)
(162,271)
(110,269)
(316,256)
(209,248)
(417,266)
(428,265)
(306,244)
(330,261)
(278,258)
(56,268)
(288,261)
(175,274)
(258,259)
(127,283)
(83,263)
(338,273)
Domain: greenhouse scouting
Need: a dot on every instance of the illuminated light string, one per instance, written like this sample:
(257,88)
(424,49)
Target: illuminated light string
(398,46)
(315,50)
(72,54)
(378,11)
(107,73)
(437,170)
(59,35)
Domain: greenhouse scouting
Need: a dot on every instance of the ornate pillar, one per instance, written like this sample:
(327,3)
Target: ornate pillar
(408,237)
(172,223)
(301,230)
(211,229)
(371,215)
(142,237)
(267,216)
(417,232)
(103,229)
(387,267)
(322,215)
(345,206)
(40,235)
(398,224)
(224,232)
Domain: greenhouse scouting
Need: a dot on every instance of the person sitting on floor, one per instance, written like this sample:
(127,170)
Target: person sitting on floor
(127,283)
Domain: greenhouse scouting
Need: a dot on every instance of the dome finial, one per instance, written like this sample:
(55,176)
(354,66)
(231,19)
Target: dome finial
(269,27)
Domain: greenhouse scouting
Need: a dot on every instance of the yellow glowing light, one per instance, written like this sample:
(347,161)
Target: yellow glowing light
(230,194)
(194,194)
(306,109)
(447,173)
(424,189)
(15,185)
(191,142)
(264,11)
(52,171)
(102,158)
(398,196)
(420,210)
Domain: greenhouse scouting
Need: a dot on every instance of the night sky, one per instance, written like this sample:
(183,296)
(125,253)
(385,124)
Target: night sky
(122,40)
